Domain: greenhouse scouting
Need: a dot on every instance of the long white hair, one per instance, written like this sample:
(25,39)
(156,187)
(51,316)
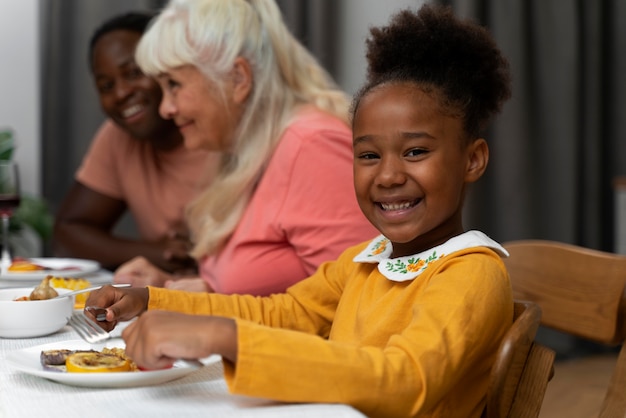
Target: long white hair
(210,35)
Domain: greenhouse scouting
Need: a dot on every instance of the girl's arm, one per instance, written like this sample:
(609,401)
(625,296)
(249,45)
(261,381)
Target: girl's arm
(158,338)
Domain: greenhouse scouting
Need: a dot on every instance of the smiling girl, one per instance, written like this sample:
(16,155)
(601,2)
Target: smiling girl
(405,325)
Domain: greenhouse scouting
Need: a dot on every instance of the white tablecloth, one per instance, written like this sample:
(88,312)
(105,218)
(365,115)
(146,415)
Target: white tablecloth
(202,393)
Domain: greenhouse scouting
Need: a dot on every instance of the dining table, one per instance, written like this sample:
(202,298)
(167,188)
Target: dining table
(202,392)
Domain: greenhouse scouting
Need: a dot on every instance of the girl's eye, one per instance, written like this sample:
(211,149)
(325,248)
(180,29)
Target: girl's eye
(367,156)
(172,84)
(416,152)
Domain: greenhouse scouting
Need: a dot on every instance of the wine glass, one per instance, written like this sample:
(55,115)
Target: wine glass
(9,201)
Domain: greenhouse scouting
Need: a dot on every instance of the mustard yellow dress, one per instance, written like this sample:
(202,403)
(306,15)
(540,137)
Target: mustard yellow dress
(405,337)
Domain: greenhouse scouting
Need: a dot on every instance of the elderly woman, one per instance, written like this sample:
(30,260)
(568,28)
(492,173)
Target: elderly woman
(235,80)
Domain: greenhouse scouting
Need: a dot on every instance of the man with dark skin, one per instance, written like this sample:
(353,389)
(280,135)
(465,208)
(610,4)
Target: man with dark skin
(137,162)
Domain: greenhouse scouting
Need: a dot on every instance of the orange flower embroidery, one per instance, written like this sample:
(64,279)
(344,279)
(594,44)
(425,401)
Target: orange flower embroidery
(412,265)
(415,266)
(380,247)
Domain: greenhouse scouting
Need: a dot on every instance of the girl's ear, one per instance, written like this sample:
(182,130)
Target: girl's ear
(242,80)
(478,158)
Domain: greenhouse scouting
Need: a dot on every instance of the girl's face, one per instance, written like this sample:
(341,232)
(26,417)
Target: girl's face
(206,118)
(411,165)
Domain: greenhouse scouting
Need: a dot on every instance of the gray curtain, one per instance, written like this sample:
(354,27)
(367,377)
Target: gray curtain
(561,140)
(314,23)
(70,109)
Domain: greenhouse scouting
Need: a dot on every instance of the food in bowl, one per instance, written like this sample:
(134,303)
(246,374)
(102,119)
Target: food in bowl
(43,291)
(33,318)
(47,289)
(72,283)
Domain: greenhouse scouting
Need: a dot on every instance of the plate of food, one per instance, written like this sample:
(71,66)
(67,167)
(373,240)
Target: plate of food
(105,365)
(33,270)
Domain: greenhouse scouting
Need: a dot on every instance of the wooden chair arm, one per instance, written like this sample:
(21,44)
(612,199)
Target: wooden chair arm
(538,371)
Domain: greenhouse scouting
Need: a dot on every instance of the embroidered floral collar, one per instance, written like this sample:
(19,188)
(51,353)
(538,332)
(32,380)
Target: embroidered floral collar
(409,267)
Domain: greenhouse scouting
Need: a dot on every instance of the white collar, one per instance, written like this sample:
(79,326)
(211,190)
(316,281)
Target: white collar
(409,267)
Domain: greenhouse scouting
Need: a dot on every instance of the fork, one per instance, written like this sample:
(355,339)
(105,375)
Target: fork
(88,289)
(92,333)
(87,329)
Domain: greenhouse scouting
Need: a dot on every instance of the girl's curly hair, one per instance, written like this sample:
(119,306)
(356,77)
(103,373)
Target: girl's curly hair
(459,59)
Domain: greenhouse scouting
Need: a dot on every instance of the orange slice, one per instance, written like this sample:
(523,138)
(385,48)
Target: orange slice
(96,362)
(18,266)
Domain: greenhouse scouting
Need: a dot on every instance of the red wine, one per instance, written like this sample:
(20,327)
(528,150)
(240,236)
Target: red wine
(8,204)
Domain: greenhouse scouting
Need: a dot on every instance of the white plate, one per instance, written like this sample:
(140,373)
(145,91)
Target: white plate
(55,266)
(27,361)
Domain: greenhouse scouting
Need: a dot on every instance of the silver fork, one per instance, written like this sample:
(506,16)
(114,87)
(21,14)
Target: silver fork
(87,329)
(91,332)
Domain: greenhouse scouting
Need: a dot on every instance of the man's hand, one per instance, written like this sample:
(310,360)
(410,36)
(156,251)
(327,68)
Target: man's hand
(139,272)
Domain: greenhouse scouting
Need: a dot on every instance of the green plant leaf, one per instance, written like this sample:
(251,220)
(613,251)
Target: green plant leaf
(34,211)
(7,144)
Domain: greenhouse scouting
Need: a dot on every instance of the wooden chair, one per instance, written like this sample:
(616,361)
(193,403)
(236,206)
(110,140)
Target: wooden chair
(522,368)
(580,292)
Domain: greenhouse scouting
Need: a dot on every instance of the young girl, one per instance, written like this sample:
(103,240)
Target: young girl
(409,323)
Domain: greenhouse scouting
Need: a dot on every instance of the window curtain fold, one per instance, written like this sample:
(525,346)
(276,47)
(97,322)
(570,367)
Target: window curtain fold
(314,23)
(561,140)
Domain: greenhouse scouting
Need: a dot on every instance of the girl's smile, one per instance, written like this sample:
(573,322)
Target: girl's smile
(395,210)
(411,164)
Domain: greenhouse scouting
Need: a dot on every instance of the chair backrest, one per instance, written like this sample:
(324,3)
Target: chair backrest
(581,292)
(520,374)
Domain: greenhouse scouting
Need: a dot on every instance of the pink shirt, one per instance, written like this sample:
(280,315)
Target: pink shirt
(156,186)
(303,212)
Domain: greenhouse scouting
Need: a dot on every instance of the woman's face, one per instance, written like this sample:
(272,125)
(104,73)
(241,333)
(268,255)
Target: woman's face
(127,96)
(206,118)
(411,165)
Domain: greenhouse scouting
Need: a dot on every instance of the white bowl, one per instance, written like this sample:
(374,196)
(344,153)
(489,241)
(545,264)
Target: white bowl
(32,318)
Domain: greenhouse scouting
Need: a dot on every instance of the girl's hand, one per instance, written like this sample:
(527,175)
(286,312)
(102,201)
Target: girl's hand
(158,338)
(139,272)
(120,304)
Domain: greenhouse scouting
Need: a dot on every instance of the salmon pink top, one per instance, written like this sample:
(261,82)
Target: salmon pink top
(303,212)
(156,186)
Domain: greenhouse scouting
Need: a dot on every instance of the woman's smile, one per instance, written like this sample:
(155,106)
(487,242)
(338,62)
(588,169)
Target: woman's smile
(204,118)
(183,125)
